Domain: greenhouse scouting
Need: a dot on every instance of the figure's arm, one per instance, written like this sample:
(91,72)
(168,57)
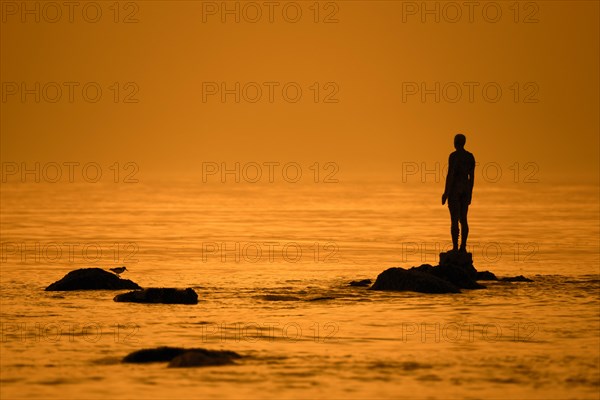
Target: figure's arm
(471,178)
(449,179)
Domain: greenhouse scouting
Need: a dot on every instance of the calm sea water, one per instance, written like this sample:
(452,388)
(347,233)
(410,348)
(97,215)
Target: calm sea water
(271,264)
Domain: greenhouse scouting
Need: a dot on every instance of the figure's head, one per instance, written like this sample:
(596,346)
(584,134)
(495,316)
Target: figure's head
(459,141)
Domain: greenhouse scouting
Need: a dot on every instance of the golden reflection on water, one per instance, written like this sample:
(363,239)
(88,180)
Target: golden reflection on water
(511,340)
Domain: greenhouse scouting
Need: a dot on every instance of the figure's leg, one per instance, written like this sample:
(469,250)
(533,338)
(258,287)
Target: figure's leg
(454,208)
(464,225)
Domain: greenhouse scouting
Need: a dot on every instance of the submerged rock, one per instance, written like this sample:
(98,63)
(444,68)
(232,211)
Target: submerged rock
(159,295)
(203,358)
(322,298)
(364,282)
(519,278)
(91,279)
(486,276)
(277,297)
(181,357)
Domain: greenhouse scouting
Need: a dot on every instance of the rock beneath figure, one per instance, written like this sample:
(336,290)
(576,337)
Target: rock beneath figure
(159,295)
(461,276)
(91,279)
(461,261)
(179,357)
(456,258)
(455,272)
(412,280)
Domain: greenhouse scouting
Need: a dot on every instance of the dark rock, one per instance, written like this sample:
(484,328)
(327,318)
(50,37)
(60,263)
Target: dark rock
(413,280)
(460,276)
(276,297)
(159,295)
(457,267)
(203,358)
(91,279)
(153,355)
(455,272)
(456,258)
(519,278)
(459,259)
(321,298)
(486,276)
(181,357)
(364,282)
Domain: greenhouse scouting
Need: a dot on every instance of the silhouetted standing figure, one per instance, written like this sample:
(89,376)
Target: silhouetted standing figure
(459,190)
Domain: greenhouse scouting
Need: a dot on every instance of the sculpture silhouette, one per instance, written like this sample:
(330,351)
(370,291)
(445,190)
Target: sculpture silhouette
(459,190)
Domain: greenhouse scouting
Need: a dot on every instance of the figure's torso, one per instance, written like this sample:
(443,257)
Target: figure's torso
(462,163)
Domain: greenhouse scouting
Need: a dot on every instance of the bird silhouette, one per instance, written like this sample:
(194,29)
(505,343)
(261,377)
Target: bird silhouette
(118,270)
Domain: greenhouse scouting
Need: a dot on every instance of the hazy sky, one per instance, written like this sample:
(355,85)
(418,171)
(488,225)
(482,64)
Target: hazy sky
(361,76)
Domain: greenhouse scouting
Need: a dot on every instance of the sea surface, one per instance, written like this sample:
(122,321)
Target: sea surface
(271,264)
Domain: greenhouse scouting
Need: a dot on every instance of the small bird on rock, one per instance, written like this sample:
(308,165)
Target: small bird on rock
(118,270)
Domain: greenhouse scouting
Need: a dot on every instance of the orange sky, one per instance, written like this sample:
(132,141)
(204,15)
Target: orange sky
(369,54)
